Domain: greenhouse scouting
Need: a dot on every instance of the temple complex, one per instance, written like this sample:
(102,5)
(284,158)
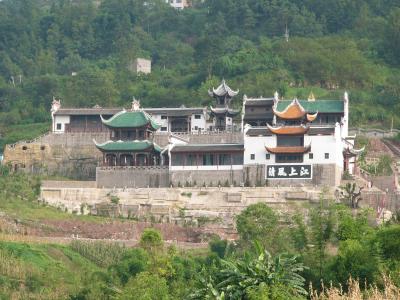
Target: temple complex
(274,141)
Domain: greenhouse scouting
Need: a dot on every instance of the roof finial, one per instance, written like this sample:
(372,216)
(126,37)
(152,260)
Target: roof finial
(346,96)
(55,104)
(276,96)
(135,104)
(311,97)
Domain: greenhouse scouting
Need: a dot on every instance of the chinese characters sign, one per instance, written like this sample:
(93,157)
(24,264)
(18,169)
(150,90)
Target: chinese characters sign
(289,172)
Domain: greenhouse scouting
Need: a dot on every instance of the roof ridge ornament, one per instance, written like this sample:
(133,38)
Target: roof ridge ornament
(135,104)
(346,96)
(311,97)
(55,105)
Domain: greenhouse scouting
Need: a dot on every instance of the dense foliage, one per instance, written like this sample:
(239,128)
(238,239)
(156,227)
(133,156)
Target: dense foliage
(333,45)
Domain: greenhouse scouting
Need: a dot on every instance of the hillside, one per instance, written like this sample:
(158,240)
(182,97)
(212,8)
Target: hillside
(332,46)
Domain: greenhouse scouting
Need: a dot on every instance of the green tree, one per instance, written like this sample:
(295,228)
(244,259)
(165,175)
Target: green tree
(151,240)
(258,222)
(146,286)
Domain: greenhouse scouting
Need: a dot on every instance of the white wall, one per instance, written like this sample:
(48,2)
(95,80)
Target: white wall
(161,122)
(256,145)
(60,120)
(319,146)
(200,123)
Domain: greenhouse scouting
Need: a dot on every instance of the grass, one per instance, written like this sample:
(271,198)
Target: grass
(41,271)
(15,133)
(26,210)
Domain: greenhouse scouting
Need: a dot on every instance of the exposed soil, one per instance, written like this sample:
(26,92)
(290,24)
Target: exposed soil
(127,231)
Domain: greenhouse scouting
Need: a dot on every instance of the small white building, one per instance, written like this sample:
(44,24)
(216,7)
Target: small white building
(140,65)
(178,4)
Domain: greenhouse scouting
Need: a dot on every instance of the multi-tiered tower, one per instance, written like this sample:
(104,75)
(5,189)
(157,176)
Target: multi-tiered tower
(222,113)
(290,126)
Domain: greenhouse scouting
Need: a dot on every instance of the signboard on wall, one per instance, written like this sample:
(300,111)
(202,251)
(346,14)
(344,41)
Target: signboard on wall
(289,172)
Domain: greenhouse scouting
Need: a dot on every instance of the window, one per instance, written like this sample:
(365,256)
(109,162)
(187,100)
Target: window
(267,156)
(289,158)
(191,160)
(326,155)
(252,156)
(163,117)
(58,126)
(196,127)
(24,148)
(237,158)
(311,155)
(283,140)
(208,159)
(224,159)
(164,128)
(197,116)
(177,159)
(42,148)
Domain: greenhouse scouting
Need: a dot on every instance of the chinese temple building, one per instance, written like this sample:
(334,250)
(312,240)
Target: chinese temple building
(222,113)
(307,139)
(131,139)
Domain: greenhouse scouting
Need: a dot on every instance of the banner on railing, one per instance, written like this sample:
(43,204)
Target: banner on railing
(289,172)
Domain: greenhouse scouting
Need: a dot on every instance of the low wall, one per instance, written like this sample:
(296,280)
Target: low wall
(372,132)
(206,177)
(121,177)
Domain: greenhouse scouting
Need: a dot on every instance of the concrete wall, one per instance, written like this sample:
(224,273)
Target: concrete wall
(121,177)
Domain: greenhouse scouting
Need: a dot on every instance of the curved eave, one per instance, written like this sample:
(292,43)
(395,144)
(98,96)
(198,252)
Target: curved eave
(288,130)
(312,117)
(288,150)
(226,111)
(129,146)
(353,152)
(222,90)
(293,111)
(107,121)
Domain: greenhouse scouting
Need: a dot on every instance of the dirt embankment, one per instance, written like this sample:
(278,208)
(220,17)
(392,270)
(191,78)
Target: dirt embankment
(127,231)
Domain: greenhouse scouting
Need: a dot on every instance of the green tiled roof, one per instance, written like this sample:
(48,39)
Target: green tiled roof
(321,106)
(131,119)
(128,146)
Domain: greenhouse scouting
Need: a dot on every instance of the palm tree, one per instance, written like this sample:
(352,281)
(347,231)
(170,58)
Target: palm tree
(236,278)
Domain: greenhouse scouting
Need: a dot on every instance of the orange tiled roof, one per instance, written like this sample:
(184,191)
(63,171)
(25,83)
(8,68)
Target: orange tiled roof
(289,149)
(292,112)
(288,130)
(311,118)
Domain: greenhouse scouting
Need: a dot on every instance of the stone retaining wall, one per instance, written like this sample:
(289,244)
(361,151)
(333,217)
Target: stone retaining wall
(121,177)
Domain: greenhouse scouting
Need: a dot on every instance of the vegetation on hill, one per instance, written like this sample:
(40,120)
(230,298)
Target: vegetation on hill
(332,46)
(274,258)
